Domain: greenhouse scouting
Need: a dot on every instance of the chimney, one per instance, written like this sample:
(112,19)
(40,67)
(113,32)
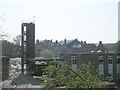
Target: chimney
(65,41)
(100,42)
(81,42)
(84,42)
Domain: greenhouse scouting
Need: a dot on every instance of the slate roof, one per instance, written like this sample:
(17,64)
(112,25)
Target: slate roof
(89,46)
(71,44)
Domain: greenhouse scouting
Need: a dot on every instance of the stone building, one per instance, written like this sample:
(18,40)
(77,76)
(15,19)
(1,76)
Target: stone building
(108,64)
(5,68)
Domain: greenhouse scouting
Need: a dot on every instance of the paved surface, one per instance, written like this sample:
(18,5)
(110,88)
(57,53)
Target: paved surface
(18,80)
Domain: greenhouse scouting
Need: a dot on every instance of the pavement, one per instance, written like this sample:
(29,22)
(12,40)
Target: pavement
(18,80)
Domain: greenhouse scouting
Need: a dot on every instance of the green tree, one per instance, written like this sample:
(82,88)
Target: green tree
(86,77)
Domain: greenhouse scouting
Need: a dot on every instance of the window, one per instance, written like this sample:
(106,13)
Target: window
(24,37)
(110,69)
(101,67)
(24,43)
(24,48)
(74,63)
(37,62)
(118,69)
(73,57)
(110,66)
(100,61)
(24,32)
(110,61)
(110,57)
(118,61)
(100,57)
(73,60)
(43,62)
(118,57)
(40,62)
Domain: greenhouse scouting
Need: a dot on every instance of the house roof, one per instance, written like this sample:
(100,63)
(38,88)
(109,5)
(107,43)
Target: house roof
(44,58)
(89,45)
(74,42)
(90,54)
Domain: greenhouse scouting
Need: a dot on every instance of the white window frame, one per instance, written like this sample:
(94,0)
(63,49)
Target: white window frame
(73,60)
(110,66)
(109,61)
(74,63)
(110,69)
(101,67)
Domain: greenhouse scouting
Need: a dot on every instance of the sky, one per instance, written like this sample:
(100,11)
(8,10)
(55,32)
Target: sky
(87,20)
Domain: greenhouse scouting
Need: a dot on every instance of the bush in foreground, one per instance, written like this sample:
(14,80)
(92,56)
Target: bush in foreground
(61,74)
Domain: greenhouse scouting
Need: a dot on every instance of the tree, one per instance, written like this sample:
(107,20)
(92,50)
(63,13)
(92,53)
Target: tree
(17,40)
(3,34)
(63,75)
(9,49)
(16,43)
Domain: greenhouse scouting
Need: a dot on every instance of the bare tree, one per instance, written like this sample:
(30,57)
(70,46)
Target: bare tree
(3,34)
(17,40)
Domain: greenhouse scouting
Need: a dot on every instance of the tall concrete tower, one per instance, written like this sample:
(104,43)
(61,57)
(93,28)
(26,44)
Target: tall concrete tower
(27,44)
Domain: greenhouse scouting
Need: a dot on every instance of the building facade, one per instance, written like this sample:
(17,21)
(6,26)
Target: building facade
(108,64)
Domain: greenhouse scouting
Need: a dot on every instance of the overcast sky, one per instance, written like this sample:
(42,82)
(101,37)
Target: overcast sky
(87,20)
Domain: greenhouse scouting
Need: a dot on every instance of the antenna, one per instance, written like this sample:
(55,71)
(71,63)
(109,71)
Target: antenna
(33,19)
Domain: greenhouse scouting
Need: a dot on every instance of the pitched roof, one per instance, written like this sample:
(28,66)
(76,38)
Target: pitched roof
(89,45)
(74,42)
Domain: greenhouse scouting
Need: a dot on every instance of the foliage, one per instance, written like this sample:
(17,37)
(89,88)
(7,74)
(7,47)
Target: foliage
(9,49)
(109,78)
(17,40)
(63,75)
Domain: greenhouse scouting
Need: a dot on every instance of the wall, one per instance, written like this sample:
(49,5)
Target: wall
(94,59)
